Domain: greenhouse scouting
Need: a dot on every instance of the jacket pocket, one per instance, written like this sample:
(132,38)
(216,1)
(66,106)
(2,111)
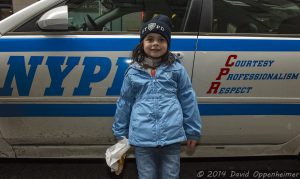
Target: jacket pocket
(173,119)
(142,123)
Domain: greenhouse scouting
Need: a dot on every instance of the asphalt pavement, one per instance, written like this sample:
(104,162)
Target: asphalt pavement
(249,167)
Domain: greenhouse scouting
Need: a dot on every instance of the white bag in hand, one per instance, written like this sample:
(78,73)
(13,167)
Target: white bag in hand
(115,153)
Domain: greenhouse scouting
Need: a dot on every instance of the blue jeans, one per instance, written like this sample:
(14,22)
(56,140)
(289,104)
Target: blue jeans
(158,162)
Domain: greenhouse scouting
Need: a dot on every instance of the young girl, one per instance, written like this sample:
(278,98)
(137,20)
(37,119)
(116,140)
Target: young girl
(157,108)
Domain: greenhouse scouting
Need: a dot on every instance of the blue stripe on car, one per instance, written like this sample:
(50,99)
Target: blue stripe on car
(108,110)
(127,44)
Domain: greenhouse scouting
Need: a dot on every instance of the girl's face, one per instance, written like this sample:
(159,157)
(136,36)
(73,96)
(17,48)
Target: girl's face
(155,45)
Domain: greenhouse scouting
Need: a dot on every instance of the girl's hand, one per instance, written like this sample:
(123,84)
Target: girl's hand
(191,144)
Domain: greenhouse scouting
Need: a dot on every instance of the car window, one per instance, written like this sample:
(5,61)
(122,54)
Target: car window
(122,15)
(256,16)
(5,9)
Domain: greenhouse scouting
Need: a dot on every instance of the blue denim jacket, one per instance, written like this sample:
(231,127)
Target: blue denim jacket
(157,111)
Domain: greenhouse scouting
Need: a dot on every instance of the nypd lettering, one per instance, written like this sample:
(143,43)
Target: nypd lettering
(23,73)
(151,27)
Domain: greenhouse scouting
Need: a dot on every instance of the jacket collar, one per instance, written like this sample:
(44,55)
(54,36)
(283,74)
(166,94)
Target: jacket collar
(137,66)
(160,69)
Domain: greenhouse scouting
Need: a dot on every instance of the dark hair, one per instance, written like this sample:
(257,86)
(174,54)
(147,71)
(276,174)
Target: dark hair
(138,55)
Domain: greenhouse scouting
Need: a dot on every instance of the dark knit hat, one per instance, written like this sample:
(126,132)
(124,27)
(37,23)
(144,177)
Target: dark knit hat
(160,24)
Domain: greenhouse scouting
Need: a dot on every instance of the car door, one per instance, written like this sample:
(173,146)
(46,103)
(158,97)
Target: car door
(246,71)
(59,87)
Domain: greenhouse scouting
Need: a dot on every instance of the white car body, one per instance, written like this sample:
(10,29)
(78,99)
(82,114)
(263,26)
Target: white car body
(58,89)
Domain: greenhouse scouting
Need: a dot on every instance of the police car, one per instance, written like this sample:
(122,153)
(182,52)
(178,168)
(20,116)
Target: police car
(62,63)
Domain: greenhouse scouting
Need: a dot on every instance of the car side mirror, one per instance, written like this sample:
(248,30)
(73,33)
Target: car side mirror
(54,20)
